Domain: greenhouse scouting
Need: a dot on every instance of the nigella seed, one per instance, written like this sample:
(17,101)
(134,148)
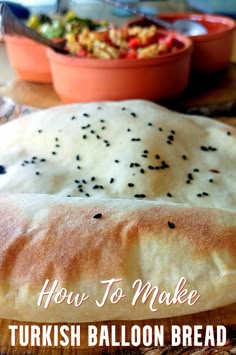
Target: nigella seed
(142,171)
(84,136)
(22,164)
(144,156)
(168,142)
(37,173)
(79,167)
(169,194)
(54,153)
(171,138)
(73,117)
(77,181)
(32,162)
(188,182)
(40,131)
(199,195)
(213,149)
(96,187)
(103,128)
(81,190)
(228,133)
(196,170)
(93,178)
(135,139)
(68,195)
(26,162)
(205,194)
(131,165)
(2,170)
(184,157)
(43,160)
(139,196)
(77,157)
(99,108)
(130,184)
(116,161)
(190,176)
(97,216)
(87,195)
(112,180)
(57,146)
(133,114)
(160,129)
(211,180)
(56,139)
(34,158)
(164,165)
(85,127)
(171,225)
(204,149)
(123,108)
(146,151)
(136,164)
(173,132)
(151,167)
(92,131)
(150,124)
(157,156)
(86,115)
(84,181)
(98,137)
(128,130)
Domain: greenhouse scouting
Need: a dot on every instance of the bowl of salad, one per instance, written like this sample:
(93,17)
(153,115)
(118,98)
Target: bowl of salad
(122,63)
(28,58)
(213,50)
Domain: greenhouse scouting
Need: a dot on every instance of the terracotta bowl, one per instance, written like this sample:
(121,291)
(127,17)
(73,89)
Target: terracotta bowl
(29,59)
(83,79)
(212,51)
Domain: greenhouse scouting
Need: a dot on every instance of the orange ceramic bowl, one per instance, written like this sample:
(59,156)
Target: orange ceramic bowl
(84,79)
(29,59)
(212,51)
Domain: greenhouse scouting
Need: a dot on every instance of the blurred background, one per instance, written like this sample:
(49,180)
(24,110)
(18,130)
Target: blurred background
(97,10)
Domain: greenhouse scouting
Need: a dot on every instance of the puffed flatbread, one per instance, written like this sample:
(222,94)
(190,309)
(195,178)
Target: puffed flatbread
(141,193)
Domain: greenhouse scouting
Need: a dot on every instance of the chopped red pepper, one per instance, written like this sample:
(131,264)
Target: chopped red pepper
(168,40)
(215,171)
(134,42)
(131,55)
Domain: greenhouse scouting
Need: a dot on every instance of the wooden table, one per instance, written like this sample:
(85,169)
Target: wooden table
(222,92)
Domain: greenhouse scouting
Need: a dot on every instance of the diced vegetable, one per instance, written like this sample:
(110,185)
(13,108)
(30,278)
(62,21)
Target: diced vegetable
(112,43)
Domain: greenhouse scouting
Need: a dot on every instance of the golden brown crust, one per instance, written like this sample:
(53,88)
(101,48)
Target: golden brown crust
(45,237)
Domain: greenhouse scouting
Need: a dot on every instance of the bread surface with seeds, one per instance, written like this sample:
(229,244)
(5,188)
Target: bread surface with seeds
(126,190)
(129,149)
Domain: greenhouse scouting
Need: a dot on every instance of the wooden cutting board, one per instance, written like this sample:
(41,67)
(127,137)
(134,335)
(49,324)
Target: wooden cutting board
(211,95)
